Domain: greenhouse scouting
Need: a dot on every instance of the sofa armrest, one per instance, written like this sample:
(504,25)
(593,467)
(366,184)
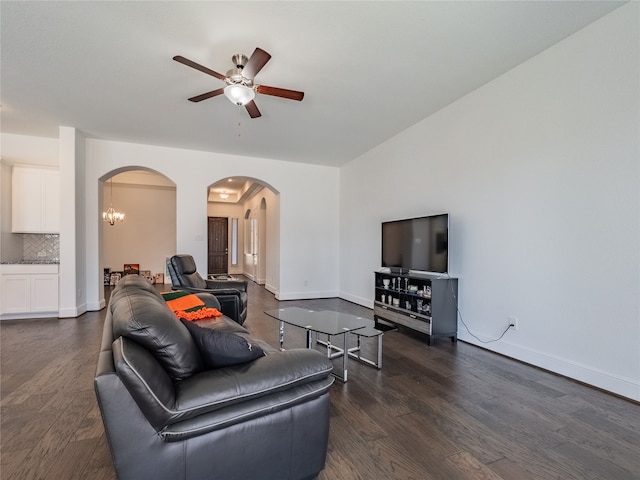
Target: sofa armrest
(145,379)
(240,285)
(232,305)
(164,403)
(224,291)
(209,299)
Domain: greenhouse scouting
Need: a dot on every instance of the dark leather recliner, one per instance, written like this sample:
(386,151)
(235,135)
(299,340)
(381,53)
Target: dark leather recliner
(232,294)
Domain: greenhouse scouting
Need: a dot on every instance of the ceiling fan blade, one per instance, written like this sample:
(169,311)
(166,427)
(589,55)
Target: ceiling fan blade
(204,96)
(197,66)
(252,108)
(280,92)
(258,59)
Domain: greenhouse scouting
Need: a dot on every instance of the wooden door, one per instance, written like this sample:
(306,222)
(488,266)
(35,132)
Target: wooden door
(217,238)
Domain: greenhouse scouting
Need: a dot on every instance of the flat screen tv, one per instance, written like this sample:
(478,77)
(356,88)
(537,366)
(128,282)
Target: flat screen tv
(416,244)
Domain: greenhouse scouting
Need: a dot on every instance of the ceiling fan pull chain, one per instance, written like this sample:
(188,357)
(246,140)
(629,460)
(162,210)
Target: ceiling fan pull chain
(239,123)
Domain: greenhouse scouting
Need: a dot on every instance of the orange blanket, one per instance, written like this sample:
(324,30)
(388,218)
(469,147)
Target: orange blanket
(188,306)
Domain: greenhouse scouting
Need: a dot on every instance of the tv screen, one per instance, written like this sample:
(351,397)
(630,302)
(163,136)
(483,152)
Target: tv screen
(417,244)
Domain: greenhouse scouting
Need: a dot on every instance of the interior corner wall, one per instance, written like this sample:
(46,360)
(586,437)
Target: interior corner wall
(80,222)
(72,271)
(273,244)
(539,172)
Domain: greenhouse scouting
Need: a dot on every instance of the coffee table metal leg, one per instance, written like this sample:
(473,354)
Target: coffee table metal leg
(345,357)
(356,354)
(281,335)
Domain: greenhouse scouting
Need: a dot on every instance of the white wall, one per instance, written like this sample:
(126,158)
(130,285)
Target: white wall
(148,234)
(28,150)
(308,235)
(539,171)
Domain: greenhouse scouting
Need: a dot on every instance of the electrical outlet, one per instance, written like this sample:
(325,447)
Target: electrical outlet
(513,322)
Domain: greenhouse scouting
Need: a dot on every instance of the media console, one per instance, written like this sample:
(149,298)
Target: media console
(422,302)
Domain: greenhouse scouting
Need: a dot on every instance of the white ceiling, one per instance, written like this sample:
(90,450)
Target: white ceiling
(368,69)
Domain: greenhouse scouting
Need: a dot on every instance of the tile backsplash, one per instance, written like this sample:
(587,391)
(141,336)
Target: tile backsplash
(37,246)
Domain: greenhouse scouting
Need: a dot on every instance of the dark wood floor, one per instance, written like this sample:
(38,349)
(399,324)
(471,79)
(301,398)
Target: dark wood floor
(449,411)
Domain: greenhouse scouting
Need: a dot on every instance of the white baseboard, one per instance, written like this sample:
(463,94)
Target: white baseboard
(305,295)
(72,312)
(23,316)
(365,302)
(270,288)
(625,387)
(94,307)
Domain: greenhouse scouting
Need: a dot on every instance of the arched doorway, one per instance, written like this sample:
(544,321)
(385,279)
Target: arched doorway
(252,206)
(148,233)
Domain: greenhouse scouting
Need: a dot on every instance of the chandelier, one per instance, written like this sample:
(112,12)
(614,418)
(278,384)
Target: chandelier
(111,215)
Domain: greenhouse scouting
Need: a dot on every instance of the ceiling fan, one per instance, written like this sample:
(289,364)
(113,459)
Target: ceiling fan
(240,88)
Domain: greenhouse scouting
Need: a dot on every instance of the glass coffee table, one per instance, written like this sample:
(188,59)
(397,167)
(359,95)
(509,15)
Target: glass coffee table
(326,322)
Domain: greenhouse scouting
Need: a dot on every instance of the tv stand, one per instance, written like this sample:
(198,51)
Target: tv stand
(422,302)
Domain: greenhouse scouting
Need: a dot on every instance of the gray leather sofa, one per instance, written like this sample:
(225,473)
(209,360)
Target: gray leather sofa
(166,416)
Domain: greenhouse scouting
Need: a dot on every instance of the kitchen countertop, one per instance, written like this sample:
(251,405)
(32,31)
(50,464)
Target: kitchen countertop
(32,262)
(29,268)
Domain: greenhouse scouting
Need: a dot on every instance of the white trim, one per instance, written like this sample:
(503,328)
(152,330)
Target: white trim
(94,307)
(30,315)
(306,295)
(72,312)
(619,385)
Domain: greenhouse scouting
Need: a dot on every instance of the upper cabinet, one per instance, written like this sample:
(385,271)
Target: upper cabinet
(35,206)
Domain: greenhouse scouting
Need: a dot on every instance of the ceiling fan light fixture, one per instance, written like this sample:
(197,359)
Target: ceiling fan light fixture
(239,94)
(240,88)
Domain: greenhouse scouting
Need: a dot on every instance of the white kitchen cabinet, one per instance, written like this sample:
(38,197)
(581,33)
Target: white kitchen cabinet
(44,293)
(28,290)
(35,200)
(16,293)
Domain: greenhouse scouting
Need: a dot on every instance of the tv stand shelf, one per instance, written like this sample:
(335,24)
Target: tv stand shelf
(419,301)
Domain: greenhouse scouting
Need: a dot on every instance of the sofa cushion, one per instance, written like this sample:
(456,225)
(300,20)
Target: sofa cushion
(142,316)
(220,349)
